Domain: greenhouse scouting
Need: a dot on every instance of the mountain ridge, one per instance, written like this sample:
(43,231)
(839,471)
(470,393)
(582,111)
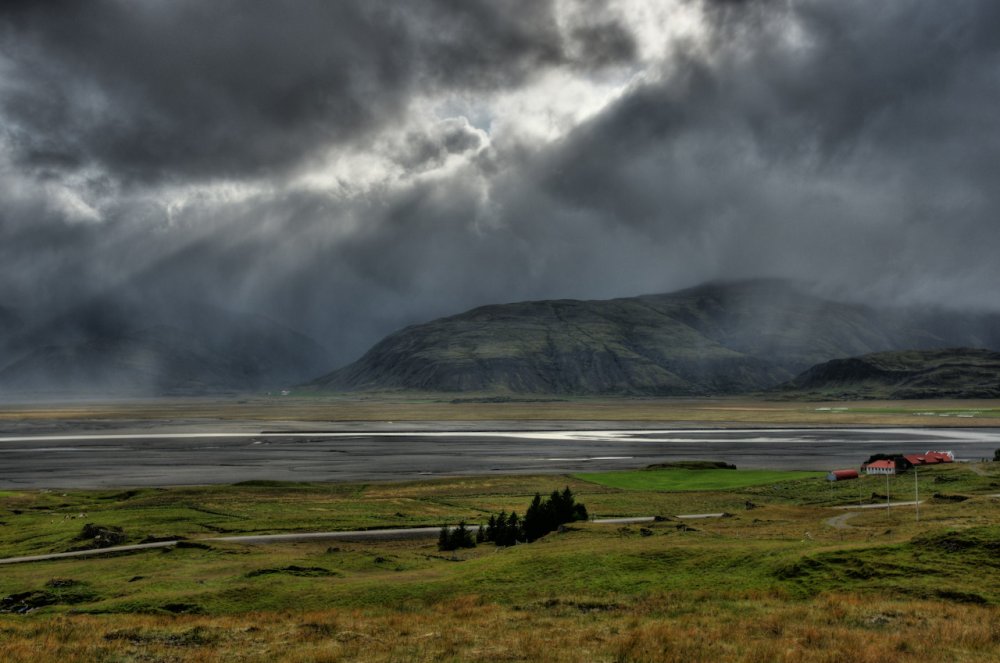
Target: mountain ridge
(717,338)
(898,375)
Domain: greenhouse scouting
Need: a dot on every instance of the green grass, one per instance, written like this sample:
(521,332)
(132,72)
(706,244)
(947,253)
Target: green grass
(38,522)
(769,551)
(676,479)
(779,569)
(937,564)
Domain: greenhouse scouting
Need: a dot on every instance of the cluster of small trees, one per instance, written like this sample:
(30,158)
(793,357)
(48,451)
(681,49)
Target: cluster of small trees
(542,517)
(503,529)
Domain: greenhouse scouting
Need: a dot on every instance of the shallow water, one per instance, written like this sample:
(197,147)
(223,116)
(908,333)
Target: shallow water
(164,458)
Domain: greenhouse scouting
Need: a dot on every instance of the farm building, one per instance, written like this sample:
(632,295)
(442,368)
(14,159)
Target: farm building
(842,475)
(930,458)
(895,464)
(880,467)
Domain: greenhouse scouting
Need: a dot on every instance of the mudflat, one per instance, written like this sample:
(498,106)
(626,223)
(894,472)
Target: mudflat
(165,457)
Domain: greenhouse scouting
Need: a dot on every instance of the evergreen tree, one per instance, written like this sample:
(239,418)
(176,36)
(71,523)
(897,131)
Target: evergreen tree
(500,535)
(453,539)
(461,537)
(444,539)
(513,533)
(557,511)
(567,504)
(535,518)
(491,529)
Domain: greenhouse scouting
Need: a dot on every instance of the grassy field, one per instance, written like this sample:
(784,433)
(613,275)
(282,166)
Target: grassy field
(383,408)
(789,580)
(675,479)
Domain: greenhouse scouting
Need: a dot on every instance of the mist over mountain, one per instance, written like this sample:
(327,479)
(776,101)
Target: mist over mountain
(350,168)
(112,348)
(714,339)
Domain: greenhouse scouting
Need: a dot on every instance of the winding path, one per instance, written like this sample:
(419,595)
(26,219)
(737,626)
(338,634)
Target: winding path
(395,534)
(840,522)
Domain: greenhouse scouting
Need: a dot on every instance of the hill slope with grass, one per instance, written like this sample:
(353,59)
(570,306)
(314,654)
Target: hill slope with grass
(713,339)
(947,373)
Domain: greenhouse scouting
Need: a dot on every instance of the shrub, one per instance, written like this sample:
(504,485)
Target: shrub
(455,538)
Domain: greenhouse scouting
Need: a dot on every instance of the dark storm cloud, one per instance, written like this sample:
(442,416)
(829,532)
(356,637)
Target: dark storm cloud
(851,144)
(820,140)
(604,43)
(597,36)
(194,89)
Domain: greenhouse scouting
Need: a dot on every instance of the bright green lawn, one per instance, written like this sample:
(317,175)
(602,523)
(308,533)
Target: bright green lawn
(681,479)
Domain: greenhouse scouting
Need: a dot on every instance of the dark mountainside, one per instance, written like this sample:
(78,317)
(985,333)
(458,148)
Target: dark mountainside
(103,348)
(948,373)
(713,339)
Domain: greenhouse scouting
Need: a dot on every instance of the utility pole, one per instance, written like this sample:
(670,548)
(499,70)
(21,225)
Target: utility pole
(888,504)
(916,493)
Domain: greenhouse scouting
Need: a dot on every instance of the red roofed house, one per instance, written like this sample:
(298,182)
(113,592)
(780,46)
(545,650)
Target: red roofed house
(881,467)
(931,458)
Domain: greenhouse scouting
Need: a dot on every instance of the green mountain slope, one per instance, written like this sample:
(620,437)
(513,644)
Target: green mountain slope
(947,373)
(714,339)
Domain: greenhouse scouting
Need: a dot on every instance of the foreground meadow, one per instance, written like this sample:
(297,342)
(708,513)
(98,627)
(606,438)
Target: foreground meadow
(781,577)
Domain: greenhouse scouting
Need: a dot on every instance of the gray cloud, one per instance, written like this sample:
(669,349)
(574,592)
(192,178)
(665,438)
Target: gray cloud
(849,145)
(190,89)
(429,148)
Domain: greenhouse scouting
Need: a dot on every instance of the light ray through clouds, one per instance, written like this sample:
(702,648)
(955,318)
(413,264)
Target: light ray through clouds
(352,167)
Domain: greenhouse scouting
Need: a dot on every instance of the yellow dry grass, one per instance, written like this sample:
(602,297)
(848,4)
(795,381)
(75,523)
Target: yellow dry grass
(750,628)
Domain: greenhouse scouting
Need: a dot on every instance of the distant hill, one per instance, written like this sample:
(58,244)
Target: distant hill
(105,348)
(714,339)
(947,373)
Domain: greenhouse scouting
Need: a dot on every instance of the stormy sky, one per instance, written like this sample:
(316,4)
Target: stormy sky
(351,167)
